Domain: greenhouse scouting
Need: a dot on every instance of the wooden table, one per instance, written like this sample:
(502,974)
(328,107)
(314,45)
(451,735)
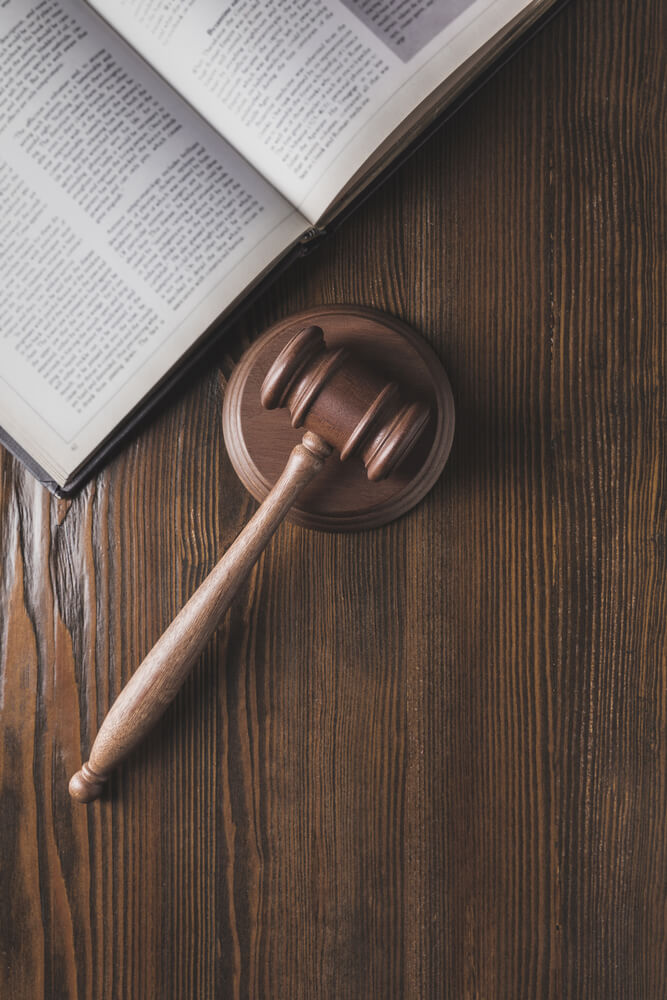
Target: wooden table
(425,761)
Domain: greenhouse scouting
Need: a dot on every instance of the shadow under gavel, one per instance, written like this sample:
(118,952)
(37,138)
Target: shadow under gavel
(344,405)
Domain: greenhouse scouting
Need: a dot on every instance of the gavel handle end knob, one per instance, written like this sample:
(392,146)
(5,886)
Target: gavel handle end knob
(85,785)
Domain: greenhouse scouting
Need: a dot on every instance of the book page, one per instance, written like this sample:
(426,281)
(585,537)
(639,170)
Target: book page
(308,90)
(126,226)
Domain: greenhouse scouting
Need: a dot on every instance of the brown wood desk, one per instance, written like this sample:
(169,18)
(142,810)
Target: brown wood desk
(425,761)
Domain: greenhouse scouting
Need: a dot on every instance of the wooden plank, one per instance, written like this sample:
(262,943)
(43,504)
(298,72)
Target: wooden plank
(422,761)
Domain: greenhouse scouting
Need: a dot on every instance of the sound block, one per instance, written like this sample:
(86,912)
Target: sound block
(341,498)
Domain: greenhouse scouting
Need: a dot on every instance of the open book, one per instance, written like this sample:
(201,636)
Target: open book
(159,157)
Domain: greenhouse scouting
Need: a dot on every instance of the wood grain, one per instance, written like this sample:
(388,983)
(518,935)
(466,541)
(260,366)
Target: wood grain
(422,761)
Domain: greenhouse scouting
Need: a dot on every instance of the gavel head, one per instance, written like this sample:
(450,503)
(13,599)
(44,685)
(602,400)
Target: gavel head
(338,397)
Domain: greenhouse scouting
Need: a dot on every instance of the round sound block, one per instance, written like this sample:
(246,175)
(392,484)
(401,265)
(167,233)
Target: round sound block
(341,498)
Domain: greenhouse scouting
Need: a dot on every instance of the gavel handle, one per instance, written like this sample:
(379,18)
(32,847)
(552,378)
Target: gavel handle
(157,680)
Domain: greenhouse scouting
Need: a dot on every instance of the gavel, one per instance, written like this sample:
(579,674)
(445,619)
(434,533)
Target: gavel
(343,405)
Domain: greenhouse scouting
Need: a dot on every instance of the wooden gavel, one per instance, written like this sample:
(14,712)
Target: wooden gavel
(343,405)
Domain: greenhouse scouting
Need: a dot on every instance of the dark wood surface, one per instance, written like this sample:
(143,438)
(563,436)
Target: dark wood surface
(425,760)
